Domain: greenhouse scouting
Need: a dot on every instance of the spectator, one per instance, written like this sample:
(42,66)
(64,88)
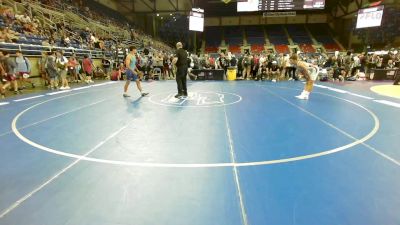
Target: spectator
(62,69)
(23,69)
(10,68)
(88,69)
(246,64)
(42,63)
(10,36)
(106,66)
(72,64)
(52,70)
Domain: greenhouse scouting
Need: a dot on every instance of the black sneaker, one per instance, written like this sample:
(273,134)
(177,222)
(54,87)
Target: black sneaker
(144,94)
(178,95)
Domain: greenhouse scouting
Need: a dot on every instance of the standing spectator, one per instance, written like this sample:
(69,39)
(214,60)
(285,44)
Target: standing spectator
(106,66)
(246,66)
(72,64)
(290,71)
(23,69)
(10,72)
(167,67)
(281,63)
(348,63)
(2,76)
(52,70)
(43,68)
(240,67)
(88,69)
(61,62)
(255,65)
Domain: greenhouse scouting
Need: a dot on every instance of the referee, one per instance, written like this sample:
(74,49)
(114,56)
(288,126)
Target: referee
(180,60)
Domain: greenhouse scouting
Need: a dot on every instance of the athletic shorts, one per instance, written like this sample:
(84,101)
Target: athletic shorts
(131,76)
(313,73)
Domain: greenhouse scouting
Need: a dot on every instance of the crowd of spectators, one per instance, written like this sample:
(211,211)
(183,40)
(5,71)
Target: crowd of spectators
(271,66)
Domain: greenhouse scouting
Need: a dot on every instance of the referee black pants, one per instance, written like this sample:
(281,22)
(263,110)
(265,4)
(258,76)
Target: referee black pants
(181,80)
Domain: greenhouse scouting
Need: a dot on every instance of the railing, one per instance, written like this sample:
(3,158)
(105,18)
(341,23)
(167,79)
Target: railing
(35,50)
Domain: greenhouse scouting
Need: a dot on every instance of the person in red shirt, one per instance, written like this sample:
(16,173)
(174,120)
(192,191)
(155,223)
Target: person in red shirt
(72,63)
(212,62)
(256,65)
(87,65)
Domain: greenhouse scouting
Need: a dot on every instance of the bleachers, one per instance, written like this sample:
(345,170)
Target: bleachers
(282,49)
(36,50)
(307,48)
(233,36)
(277,37)
(213,38)
(255,31)
(332,47)
(257,48)
(234,49)
(255,38)
(322,35)
(211,49)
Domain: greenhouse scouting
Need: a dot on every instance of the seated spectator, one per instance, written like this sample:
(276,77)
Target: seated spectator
(10,35)
(66,42)
(8,15)
(23,18)
(3,36)
(391,64)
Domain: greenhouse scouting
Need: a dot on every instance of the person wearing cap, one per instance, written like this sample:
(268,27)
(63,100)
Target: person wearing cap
(181,62)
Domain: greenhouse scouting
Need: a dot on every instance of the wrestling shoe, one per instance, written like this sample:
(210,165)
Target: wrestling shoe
(302,97)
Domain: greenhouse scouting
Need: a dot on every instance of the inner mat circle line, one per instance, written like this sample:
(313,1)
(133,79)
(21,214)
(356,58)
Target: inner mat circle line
(151,100)
(204,165)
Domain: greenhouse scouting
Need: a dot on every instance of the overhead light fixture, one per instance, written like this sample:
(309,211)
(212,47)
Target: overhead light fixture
(170,14)
(158,14)
(226,1)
